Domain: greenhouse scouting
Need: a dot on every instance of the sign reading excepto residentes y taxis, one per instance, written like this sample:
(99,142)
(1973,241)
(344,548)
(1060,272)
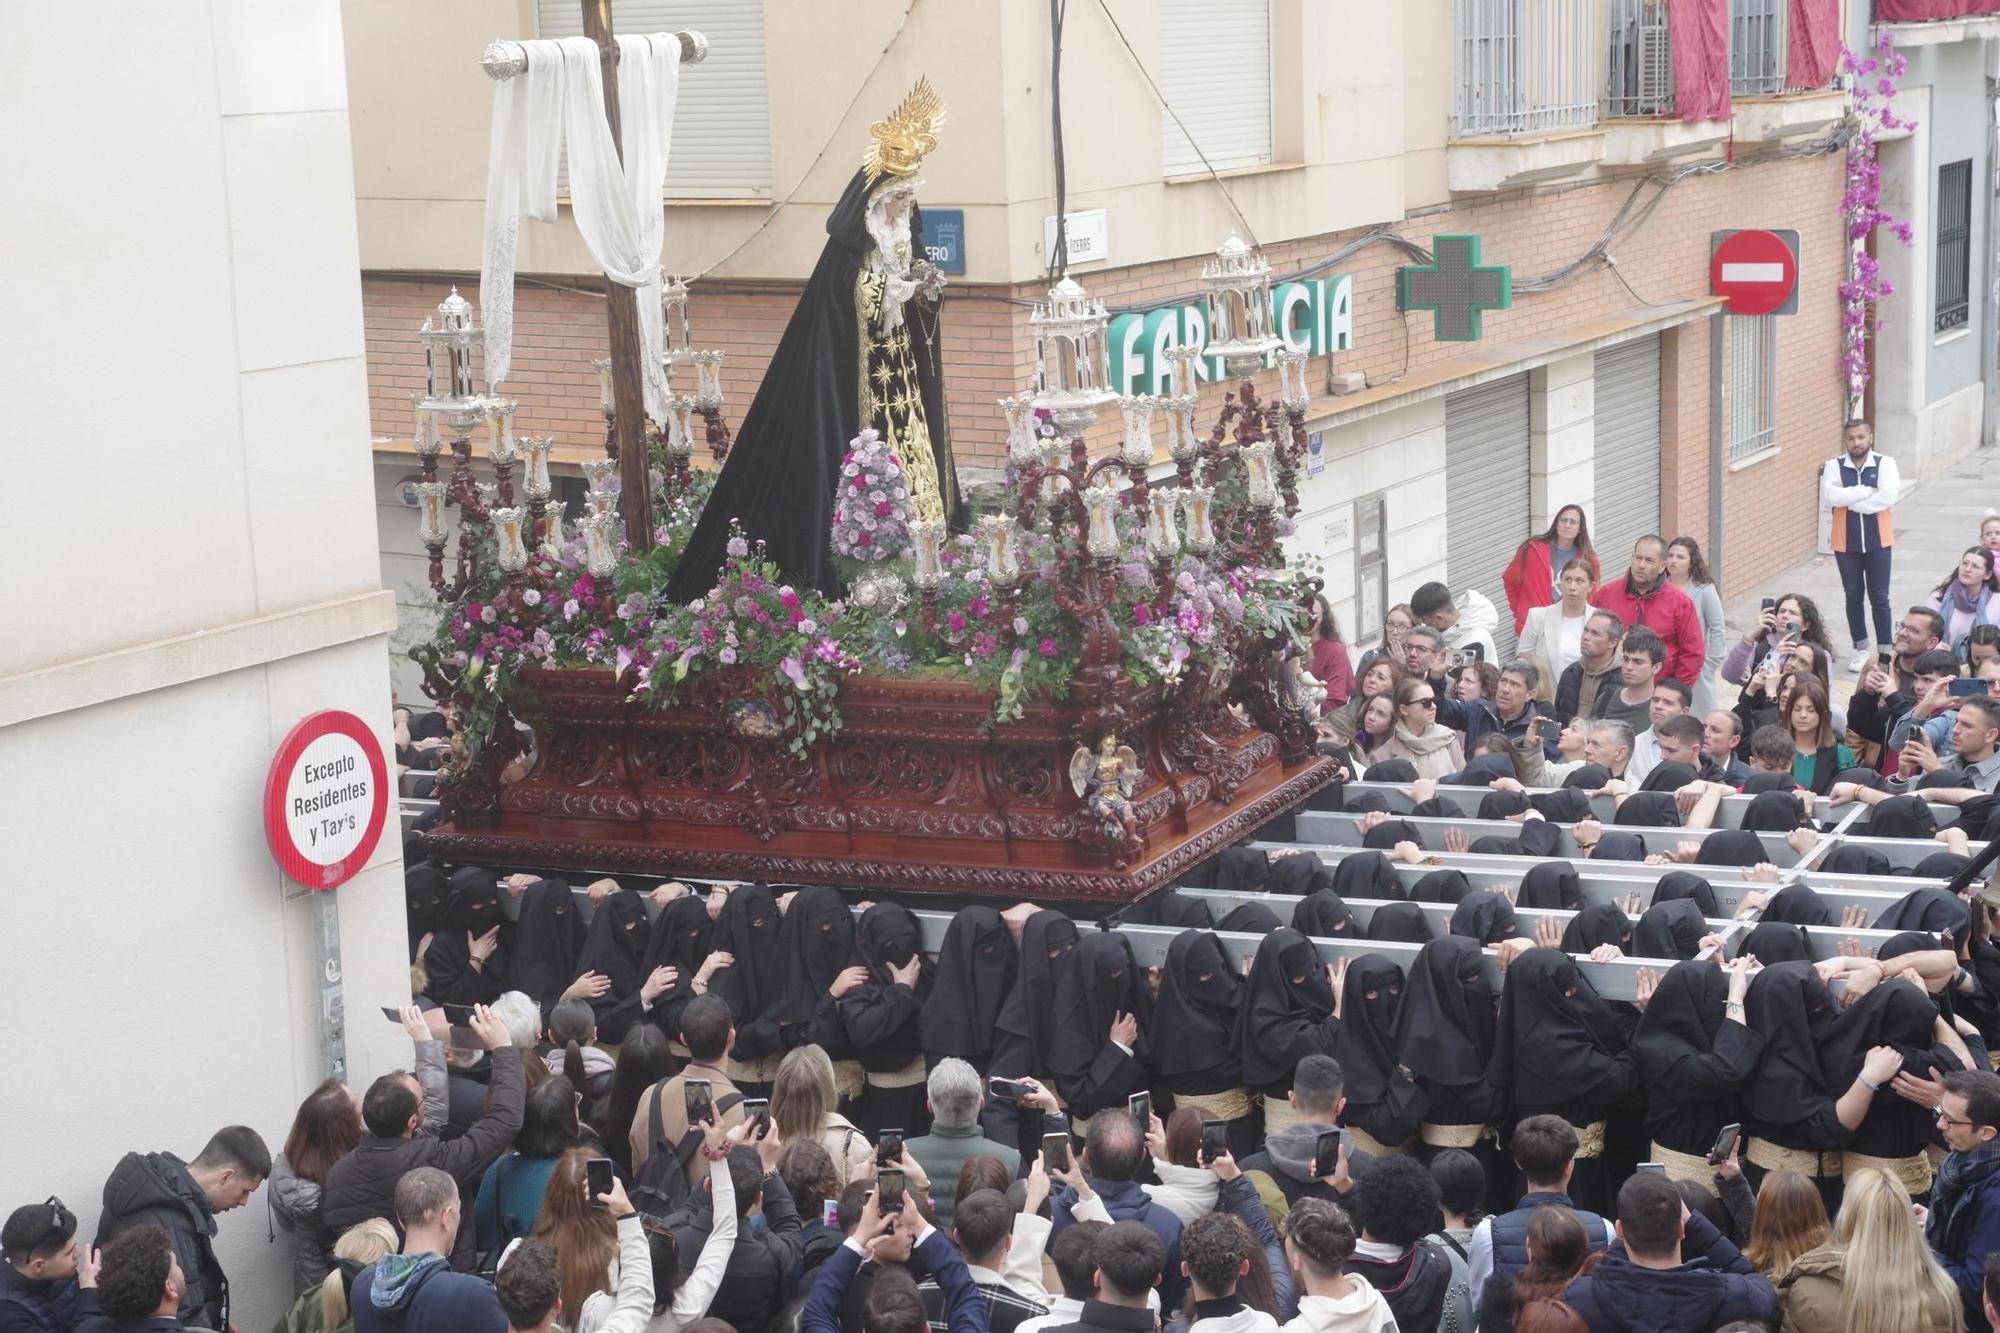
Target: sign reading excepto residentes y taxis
(326,799)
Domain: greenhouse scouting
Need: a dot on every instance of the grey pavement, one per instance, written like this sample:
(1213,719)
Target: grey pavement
(1935,521)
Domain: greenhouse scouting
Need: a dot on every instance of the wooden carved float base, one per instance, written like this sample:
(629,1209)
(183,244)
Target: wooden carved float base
(917,792)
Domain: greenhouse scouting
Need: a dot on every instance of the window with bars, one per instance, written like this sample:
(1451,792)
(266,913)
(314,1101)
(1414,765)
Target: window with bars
(1750,386)
(1954,246)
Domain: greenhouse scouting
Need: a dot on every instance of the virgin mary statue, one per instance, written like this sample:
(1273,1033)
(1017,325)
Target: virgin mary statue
(861,351)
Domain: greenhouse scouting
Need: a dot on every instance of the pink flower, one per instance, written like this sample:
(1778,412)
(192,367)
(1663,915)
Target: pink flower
(957,622)
(985,645)
(884,509)
(1047,647)
(865,539)
(1142,615)
(795,671)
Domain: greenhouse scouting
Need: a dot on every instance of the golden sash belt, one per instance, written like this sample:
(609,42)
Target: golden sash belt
(848,1079)
(1589,1140)
(1913,1171)
(907,1077)
(1452,1136)
(1229,1104)
(1774,1157)
(1374,1147)
(1684,1165)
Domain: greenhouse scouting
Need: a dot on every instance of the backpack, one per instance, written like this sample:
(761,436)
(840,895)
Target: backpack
(661,1184)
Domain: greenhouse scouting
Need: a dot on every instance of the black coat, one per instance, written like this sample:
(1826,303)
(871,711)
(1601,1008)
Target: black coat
(156,1187)
(764,1265)
(362,1184)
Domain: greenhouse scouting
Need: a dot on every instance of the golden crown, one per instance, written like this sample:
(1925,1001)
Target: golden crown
(900,142)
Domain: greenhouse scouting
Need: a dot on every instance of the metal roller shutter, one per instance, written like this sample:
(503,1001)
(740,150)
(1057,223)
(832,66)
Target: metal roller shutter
(1215,66)
(1486,491)
(1626,461)
(722,117)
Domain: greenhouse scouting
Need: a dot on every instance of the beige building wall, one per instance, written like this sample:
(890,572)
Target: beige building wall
(1348,100)
(199,574)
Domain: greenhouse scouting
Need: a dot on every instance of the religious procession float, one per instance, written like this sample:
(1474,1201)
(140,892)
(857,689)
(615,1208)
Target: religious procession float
(812,663)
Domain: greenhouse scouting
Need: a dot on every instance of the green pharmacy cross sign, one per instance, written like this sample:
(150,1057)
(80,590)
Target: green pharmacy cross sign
(1455,287)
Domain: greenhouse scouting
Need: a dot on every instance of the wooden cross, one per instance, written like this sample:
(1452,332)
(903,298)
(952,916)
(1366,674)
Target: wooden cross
(505,60)
(628,399)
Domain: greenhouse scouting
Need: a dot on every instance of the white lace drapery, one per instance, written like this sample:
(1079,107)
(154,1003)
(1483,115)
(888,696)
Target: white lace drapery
(558,99)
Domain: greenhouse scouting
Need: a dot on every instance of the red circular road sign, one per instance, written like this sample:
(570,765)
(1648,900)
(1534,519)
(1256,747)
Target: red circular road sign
(326,799)
(1754,271)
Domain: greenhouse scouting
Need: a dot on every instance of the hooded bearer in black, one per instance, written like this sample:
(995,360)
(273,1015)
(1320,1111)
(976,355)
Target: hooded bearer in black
(1196,1058)
(1695,1052)
(880,1019)
(1287,1013)
(976,966)
(460,971)
(1099,1039)
(1444,1037)
(1384,1105)
(680,941)
(547,940)
(615,947)
(751,986)
(1789,1109)
(816,944)
(1893,1133)
(1561,1050)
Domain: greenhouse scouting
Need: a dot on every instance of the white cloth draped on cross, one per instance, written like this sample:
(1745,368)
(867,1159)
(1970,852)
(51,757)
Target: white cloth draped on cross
(558,99)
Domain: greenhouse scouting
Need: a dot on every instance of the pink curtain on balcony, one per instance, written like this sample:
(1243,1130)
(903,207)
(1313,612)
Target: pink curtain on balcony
(1815,46)
(1916,11)
(1701,57)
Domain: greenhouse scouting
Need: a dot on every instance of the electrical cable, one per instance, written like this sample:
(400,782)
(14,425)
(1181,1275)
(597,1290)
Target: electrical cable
(1147,74)
(1059,253)
(833,132)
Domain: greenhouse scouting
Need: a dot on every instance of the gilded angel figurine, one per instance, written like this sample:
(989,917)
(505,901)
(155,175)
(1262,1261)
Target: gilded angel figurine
(1106,781)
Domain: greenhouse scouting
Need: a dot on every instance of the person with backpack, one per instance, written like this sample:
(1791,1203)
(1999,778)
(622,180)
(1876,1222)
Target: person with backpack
(708,1032)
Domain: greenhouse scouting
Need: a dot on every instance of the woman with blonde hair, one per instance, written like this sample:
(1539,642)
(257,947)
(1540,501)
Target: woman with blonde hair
(803,1097)
(323,1309)
(1790,1220)
(1875,1275)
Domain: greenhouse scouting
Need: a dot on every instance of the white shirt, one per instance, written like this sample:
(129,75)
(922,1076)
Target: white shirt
(1645,758)
(1569,644)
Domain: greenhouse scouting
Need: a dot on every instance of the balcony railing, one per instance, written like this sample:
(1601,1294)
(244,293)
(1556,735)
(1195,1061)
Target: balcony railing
(1527,66)
(1641,82)
(1757,47)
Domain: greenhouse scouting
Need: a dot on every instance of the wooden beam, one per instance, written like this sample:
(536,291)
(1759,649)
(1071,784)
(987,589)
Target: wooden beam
(628,399)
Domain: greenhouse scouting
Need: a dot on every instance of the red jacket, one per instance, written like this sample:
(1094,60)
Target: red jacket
(1669,613)
(1530,579)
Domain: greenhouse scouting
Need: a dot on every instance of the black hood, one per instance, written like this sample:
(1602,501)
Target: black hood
(1404,922)
(1596,925)
(747,930)
(815,942)
(1554,1034)
(546,942)
(1196,1011)
(1552,886)
(1486,917)
(1046,939)
(976,967)
(1095,982)
(1669,930)
(617,941)
(1679,884)
(1444,1030)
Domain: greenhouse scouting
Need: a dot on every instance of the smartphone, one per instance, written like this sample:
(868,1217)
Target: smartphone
(757,1110)
(1770,604)
(1967,687)
(1326,1152)
(889,1189)
(597,1176)
(889,1151)
(1475,652)
(1545,729)
(1214,1140)
(1885,659)
(1055,1151)
(829,1213)
(1006,1089)
(393,1014)
(465,1039)
(454,1013)
(700,1099)
(1725,1143)
(1657,1168)
(1140,1104)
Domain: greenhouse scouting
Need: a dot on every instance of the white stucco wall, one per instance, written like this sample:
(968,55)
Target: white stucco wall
(196,573)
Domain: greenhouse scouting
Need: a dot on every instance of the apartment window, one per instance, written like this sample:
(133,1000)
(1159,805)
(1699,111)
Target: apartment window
(1215,69)
(1954,246)
(722,117)
(1750,389)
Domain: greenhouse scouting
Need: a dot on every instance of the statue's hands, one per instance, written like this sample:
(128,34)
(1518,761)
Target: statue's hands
(928,280)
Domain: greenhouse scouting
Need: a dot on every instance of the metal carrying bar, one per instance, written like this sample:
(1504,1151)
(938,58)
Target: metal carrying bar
(1465,800)
(505,59)
(1341,829)
(1612,881)
(1824,940)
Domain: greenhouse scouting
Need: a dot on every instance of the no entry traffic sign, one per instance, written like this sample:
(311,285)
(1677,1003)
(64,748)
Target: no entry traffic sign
(326,799)
(1756,272)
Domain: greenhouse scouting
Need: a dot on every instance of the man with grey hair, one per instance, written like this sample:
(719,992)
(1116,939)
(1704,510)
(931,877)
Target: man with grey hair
(416,1291)
(1610,744)
(954,1094)
(522,1016)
